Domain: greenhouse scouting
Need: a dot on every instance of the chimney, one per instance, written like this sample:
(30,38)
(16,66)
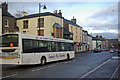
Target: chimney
(60,14)
(97,36)
(24,13)
(73,20)
(5,6)
(100,37)
(55,12)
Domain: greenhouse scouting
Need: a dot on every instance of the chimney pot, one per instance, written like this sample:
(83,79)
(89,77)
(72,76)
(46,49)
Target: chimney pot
(5,6)
(73,20)
(60,14)
(24,14)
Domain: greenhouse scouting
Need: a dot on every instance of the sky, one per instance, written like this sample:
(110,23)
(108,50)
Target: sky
(96,17)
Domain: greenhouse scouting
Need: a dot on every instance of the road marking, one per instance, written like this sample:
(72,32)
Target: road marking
(9,76)
(114,72)
(14,74)
(52,66)
(86,74)
(69,61)
(39,69)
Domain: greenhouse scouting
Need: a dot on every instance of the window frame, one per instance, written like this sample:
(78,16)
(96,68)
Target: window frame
(6,23)
(25,24)
(40,22)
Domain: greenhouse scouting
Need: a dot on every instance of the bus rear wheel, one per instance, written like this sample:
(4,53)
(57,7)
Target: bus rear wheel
(43,61)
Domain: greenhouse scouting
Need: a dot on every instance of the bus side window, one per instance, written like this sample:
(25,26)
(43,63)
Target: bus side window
(61,46)
(49,46)
(65,46)
(53,46)
(27,46)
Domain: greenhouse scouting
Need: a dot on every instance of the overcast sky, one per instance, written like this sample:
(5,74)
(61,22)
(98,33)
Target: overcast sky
(96,17)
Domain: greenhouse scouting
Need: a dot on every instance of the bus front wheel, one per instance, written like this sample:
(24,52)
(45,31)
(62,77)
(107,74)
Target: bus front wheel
(43,61)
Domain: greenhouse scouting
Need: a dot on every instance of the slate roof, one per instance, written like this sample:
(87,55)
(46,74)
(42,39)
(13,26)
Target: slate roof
(89,35)
(57,25)
(70,22)
(95,38)
(6,13)
(37,15)
(84,31)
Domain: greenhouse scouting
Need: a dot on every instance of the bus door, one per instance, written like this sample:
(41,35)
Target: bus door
(28,52)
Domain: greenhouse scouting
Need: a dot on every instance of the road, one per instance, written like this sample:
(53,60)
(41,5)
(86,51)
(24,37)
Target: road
(85,65)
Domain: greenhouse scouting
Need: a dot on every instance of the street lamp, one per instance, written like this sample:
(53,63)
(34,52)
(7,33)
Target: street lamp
(44,7)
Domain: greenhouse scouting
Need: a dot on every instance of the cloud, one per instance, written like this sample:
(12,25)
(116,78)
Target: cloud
(106,18)
(103,21)
(107,35)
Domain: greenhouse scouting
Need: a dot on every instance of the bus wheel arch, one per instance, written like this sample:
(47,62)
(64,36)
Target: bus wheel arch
(68,56)
(43,60)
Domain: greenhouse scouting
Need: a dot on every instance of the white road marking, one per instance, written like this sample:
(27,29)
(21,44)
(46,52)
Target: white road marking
(9,76)
(86,74)
(39,69)
(69,61)
(114,72)
(14,74)
(52,66)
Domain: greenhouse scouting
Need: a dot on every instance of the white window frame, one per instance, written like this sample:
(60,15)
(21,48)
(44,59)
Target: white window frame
(7,23)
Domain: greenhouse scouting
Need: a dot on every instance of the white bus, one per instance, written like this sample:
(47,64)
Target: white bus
(21,48)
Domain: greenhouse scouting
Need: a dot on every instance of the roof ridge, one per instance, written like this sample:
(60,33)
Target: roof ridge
(72,22)
(41,14)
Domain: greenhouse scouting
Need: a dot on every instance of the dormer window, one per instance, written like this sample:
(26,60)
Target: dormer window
(6,23)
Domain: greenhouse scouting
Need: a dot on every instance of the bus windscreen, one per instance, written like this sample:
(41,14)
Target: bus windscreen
(9,40)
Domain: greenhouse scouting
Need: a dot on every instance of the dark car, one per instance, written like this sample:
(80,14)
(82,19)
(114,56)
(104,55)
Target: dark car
(97,50)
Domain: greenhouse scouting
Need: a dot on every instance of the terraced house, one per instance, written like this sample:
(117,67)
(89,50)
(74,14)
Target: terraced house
(8,20)
(51,24)
(76,30)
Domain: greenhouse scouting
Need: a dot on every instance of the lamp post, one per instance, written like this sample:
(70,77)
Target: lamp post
(44,7)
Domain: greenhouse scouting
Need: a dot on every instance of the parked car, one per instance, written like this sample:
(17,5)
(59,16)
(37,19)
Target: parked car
(103,50)
(116,50)
(106,49)
(112,50)
(97,50)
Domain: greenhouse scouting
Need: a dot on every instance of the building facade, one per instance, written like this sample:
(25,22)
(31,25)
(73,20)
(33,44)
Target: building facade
(106,43)
(98,42)
(8,21)
(50,24)
(89,42)
(76,30)
(85,40)
(66,33)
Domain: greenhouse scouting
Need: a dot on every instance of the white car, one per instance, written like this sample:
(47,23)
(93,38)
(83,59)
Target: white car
(112,50)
